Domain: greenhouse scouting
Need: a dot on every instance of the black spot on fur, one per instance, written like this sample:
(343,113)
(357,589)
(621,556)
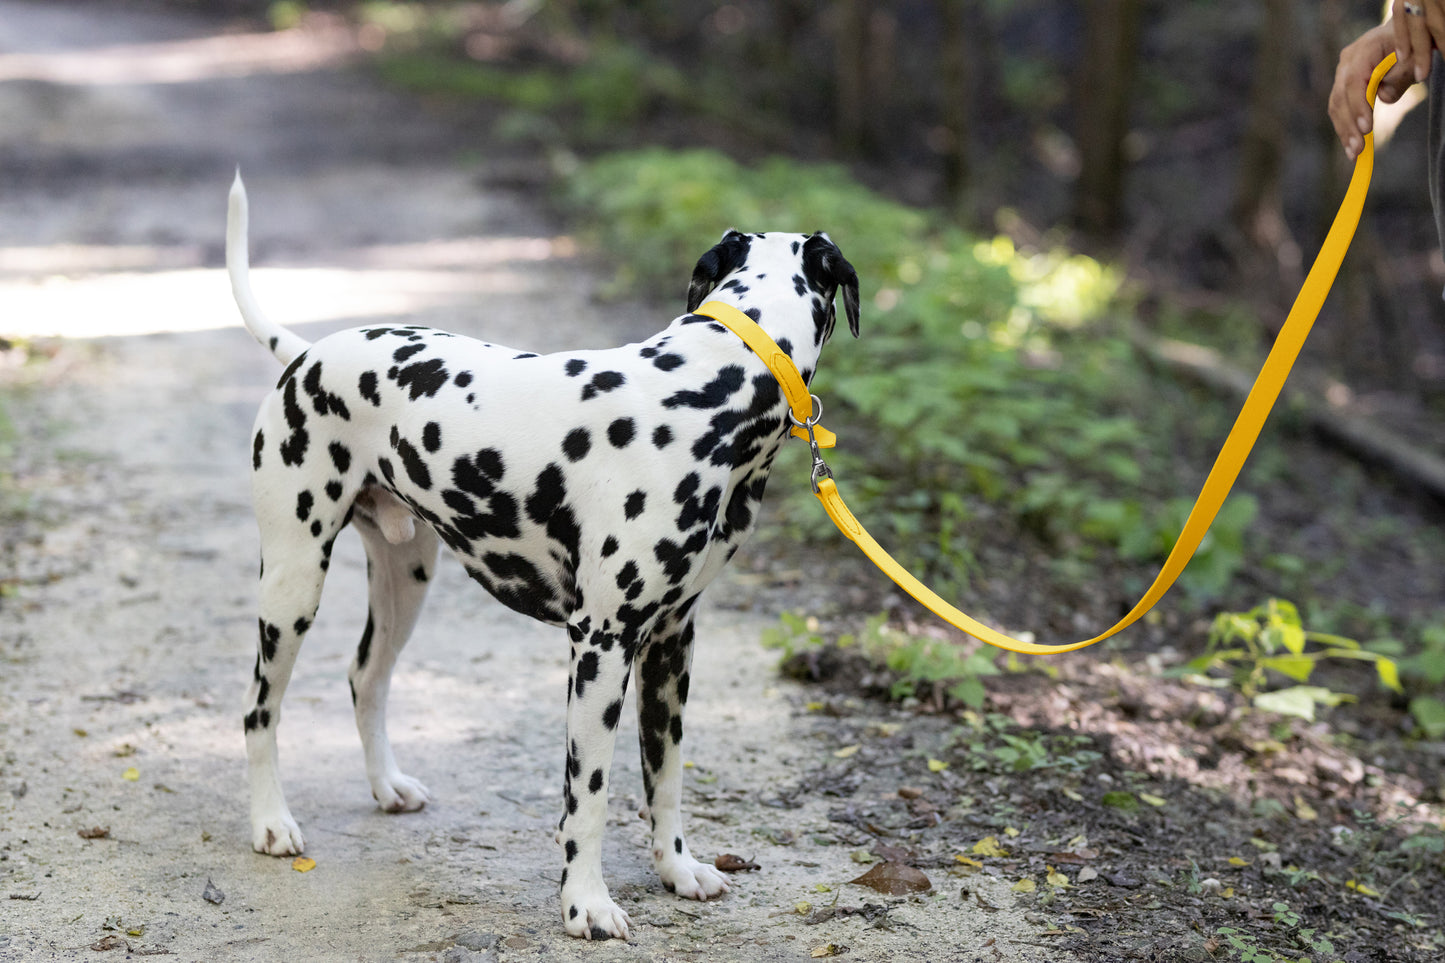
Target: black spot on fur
(603,382)
(411,460)
(423,377)
(304,501)
(594,784)
(270,638)
(577,444)
(340,456)
(612,714)
(431,437)
(293,449)
(621,432)
(462,379)
(661,437)
(586,672)
(575,367)
(547,494)
(322,400)
(668,362)
(256,444)
(636,502)
(571,849)
(291,369)
(406,351)
(609,547)
(714,394)
(302,624)
(366,384)
(627,575)
(334,490)
(363,651)
(419,573)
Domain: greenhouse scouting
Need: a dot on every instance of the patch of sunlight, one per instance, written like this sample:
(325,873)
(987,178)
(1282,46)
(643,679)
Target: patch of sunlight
(111,305)
(185,61)
(94,291)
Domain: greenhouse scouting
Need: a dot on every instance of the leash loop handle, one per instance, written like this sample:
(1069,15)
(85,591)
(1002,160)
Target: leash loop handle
(1222,475)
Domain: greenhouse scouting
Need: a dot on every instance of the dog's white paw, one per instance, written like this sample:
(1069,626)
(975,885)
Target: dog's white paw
(593,916)
(277,836)
(691,879)
(399,793)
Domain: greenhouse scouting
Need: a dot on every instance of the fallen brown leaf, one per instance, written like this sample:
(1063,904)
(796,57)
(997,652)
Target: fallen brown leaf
(729,863)
(95,832)
(894,879)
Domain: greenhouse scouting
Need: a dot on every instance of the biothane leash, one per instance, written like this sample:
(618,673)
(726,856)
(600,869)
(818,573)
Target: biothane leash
(806,411)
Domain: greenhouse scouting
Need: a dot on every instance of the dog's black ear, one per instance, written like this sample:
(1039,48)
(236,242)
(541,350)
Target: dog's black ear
(726,256)
(825,264)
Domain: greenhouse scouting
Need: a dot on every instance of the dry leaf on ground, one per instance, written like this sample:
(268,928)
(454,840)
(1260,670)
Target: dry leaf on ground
(894,879)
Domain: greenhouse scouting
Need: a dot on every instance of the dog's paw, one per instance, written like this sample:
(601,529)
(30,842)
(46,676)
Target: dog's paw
(691,879)
(594,918)
(277,836)
(398,793)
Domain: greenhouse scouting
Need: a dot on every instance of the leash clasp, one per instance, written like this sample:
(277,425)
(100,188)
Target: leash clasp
(820,467)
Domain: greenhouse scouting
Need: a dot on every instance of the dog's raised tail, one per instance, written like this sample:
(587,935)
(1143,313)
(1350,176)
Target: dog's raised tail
(280,342)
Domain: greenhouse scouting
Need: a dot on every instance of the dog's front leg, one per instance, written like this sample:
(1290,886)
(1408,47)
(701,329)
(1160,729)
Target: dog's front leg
(597,685)
(662,683)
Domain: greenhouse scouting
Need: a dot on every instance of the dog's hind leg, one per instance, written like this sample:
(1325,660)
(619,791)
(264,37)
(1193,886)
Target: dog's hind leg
(662,681)
(293,566)
(397,574)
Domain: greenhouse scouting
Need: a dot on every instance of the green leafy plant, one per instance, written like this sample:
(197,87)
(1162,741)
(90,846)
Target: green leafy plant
(995,743)
(1289,926)
(1270,639)
(921,666)
(1427,667)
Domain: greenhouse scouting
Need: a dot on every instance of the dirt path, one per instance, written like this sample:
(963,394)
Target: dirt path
(126,580)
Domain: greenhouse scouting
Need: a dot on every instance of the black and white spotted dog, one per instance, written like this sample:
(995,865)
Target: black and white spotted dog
(597,490)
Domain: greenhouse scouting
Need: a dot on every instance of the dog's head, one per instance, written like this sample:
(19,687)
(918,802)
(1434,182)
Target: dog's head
(811,262)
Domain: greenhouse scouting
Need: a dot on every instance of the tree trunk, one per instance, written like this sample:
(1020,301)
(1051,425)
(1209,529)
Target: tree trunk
(849,71)
(957,75)
(1257,210)
(1111,46)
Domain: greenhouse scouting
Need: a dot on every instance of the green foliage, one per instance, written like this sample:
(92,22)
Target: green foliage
(919,664)
(1270,639)
(995,743)
(614,88)
(992,376)
(1288,926)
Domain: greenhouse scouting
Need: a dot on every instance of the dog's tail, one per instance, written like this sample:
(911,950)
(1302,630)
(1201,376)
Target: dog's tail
(281,343)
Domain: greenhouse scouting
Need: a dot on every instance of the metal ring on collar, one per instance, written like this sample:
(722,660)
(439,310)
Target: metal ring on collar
(815,416)
(1414,9)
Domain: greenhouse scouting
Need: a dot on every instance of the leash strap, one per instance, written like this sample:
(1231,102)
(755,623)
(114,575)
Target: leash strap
(1221,478)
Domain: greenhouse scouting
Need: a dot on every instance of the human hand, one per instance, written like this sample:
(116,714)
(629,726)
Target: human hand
(1419,28)
(1350,112)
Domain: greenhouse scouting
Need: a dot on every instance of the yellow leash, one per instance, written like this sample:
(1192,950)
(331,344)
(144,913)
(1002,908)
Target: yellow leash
(807,410)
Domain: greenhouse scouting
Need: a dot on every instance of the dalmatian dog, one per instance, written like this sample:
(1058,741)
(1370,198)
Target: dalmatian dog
(599,491)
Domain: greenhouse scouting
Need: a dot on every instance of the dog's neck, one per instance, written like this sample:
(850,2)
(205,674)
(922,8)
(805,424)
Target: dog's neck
(797,324)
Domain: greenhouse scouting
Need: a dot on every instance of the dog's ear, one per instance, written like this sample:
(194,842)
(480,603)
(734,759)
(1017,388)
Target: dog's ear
(826,264)
(726,256)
